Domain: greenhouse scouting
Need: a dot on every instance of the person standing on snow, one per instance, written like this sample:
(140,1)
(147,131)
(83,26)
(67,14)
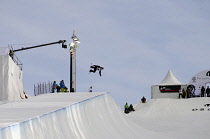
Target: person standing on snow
(180,93)
(54,86)
(126,108)
(208,91)
(183,93)
(202,91)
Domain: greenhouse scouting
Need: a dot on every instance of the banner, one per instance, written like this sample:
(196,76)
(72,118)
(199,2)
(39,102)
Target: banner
(171,88)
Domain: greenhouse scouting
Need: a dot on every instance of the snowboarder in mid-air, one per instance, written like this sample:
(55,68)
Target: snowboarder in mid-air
(94,68)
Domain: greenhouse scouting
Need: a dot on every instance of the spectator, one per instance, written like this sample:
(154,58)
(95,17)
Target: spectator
(131,108)
(183,93)
(126,108)
(54,86)
(63,88)
(58,88)
(180,93)
(188,93)
(143,100)
(202,91)
(208,91)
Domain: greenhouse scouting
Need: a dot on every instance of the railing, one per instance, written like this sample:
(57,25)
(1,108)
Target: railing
(14,57)
(42,88)
(18,62)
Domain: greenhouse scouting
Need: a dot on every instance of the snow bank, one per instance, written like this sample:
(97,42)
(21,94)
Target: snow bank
(174,117)
(93,116)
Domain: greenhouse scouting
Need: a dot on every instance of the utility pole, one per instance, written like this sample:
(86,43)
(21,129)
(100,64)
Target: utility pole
(73,47)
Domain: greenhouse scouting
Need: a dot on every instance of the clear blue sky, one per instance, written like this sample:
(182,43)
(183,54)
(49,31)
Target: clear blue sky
(136,41)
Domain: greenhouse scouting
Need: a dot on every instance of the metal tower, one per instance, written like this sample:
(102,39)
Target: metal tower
(73,47)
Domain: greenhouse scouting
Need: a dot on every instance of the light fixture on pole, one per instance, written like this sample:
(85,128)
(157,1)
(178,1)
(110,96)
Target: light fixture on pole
(73,47)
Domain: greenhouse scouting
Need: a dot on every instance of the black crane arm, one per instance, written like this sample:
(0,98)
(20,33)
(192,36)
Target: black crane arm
(60,41)
(11,53)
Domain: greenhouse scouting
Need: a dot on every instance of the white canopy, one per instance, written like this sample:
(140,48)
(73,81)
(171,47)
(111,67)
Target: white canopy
(170,79)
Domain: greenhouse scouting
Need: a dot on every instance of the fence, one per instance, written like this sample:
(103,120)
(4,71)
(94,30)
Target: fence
(43,88)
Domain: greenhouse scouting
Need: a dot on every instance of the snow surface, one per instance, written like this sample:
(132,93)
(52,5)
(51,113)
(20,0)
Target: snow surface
(174,117)
(68,115)
(97,116)
(22,110)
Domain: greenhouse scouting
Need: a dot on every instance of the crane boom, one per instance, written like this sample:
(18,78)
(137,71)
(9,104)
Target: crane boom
(60,41)
(11,53)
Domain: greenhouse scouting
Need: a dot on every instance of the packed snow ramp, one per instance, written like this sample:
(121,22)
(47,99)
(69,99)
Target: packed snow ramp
(95,116)
(176,118)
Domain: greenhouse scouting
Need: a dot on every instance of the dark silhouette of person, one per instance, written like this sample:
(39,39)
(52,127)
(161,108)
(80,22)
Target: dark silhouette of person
(58,88)
(183,93)
(202,91)
(208,91)
(94,68)
(100,69)
(188,92)
(143,100)
(131,108)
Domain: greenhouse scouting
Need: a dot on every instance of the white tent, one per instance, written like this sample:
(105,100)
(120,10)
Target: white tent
(11,86)
(167,88)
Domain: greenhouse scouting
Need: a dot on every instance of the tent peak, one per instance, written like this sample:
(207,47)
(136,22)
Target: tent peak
(170,79)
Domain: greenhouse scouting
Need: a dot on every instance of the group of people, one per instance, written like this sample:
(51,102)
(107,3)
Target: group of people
(205,92)
(128,108)
(187,94)
(59,88)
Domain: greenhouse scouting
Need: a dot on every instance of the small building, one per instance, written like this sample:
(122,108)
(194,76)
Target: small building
(168,88)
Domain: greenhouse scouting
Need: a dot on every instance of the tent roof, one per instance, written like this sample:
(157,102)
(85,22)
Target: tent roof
(170,79)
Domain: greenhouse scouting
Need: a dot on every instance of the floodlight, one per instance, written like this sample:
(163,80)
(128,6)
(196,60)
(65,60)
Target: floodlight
(75,39)
(72,44)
